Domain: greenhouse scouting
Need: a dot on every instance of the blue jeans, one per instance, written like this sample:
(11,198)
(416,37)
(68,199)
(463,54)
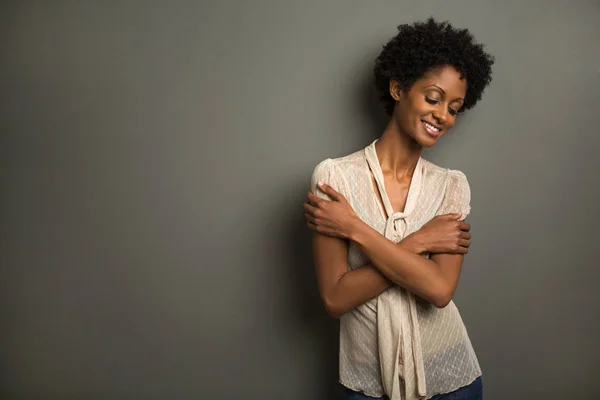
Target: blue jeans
(474,391)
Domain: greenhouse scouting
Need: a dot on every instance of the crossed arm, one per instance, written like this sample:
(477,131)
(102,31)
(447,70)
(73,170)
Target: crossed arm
(334,224)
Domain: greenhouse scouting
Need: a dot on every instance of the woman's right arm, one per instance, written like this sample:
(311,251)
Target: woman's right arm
(429,279)
(342,290)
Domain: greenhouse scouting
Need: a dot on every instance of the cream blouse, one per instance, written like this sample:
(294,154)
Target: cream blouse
(398,344)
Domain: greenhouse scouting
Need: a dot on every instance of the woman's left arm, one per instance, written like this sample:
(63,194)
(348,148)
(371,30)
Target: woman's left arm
(434,279)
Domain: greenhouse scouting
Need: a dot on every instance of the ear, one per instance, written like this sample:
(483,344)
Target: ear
(396,90)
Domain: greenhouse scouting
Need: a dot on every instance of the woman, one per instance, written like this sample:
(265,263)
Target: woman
(389,235)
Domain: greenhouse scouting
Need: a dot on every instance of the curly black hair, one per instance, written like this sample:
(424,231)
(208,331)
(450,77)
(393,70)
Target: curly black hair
(423,46)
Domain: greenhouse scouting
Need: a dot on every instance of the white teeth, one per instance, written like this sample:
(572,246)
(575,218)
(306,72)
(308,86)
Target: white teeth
(433,128)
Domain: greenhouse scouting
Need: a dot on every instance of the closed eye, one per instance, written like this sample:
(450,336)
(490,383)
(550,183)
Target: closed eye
(430,100)
(451,110)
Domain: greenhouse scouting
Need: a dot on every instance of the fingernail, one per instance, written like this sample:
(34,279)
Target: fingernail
(320,183)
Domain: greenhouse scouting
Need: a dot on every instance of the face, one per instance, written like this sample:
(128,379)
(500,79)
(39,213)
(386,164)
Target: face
(429,109)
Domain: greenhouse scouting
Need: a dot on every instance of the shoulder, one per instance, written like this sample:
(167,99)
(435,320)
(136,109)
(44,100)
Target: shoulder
(456,179)
(456,195)
(336,172)
(340,165)
(458,185)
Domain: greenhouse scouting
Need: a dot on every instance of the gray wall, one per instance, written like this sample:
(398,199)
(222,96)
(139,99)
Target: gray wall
(154,158)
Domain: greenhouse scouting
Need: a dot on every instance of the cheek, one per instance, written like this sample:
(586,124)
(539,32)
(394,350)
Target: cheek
(450,123)
(409,117)
(418,106)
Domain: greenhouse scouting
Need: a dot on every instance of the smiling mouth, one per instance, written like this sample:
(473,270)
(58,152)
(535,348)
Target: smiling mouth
(431,129)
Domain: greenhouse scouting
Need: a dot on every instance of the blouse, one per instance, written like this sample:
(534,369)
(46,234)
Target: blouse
(398,344)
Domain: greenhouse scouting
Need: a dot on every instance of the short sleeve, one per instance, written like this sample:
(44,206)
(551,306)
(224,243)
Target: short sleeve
(458,195)
(323,173)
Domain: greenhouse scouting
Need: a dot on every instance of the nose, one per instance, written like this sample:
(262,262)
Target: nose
(441,113)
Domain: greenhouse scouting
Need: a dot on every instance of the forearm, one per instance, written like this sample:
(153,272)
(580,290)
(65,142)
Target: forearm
(358,286)
(403,267)
(355,288)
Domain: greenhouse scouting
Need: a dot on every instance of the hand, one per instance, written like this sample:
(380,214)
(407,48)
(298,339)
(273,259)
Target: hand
(332,218)
(444,234)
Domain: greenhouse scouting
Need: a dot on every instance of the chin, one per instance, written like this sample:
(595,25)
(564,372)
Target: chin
(426,142)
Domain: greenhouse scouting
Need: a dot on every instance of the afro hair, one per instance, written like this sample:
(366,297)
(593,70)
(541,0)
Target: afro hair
(421,47)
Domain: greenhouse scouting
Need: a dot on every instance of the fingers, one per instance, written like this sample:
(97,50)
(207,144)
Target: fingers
(465,235)
(313,222)
(321,229)
(309,208)
(462,250)
(310,218)
(463,226)
(314,199)
(331,192)
(464,243)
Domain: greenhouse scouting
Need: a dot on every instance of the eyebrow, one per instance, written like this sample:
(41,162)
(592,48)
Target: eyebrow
(443,91)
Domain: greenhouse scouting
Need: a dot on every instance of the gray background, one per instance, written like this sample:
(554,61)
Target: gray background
(154,158)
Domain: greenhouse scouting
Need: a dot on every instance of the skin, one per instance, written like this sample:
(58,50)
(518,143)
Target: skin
(434,98)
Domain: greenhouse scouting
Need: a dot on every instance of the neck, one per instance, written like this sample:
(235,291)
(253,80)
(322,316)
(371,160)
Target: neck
(398,153)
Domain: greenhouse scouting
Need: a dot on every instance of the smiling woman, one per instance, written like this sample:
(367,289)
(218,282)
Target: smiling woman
(389,235)
(431,105)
